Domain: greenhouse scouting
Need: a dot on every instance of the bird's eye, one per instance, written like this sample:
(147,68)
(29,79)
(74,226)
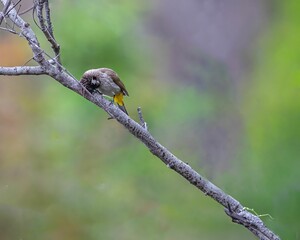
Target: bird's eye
(95,82)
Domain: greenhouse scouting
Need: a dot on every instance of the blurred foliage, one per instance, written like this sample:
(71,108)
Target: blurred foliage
(271,115)
(98,33)
(68,173)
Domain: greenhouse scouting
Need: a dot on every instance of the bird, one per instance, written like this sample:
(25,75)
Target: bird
(107,82)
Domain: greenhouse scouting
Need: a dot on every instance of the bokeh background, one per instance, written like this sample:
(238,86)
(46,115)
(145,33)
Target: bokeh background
(218,82)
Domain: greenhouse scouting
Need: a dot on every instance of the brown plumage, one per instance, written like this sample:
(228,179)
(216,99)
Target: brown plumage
(107,82)
(114,76)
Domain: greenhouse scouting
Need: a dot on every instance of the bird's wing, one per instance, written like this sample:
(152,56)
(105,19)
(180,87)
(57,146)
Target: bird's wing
(116,80)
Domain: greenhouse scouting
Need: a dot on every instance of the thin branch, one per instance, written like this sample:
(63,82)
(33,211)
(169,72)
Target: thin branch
(3,13)
(28,33)
(55,46)
(22,70)
(48,18)
(13,6)
(8,30)
(233,208)
(26,10)
(142,121)
(13,26)
(6,10)
(47,29)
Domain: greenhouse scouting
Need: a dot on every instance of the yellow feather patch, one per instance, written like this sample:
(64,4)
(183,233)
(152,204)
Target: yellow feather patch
(118,98)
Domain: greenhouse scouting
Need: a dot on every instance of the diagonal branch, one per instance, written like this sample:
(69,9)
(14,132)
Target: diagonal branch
(232,207)
(46,26)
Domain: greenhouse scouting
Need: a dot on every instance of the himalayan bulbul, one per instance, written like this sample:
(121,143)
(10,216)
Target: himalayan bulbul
(107,82)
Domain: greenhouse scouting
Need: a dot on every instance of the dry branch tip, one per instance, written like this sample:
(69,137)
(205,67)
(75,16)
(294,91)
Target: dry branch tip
(142,121)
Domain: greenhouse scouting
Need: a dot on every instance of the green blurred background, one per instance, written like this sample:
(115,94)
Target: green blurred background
(218,83)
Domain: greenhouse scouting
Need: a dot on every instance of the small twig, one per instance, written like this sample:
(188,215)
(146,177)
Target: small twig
(142,121)
(13,6)
(28,33)
(33,15)
(54,44)
(13,26)
(29,60)
(3,13)
(47,30)
(8,30)
(26,10)
(6,10)
(39,9)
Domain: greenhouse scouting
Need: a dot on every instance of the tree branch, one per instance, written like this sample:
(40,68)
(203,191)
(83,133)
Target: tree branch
(28,33)
(142,121)
(22,70)
(232,207)
(3,13)
(47,29)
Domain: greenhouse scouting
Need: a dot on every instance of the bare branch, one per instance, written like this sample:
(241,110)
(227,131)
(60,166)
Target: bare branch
(22,70)
(8,30)
(27,32)
(3,13)
(233,208)
(26,10)
(6,10)
(48,18)
(47,29)
(142,121)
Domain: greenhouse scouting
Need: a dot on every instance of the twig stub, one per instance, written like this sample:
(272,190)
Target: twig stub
(142,121)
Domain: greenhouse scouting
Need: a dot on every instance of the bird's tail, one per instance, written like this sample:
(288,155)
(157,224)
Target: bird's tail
(123,108)
(118,99)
